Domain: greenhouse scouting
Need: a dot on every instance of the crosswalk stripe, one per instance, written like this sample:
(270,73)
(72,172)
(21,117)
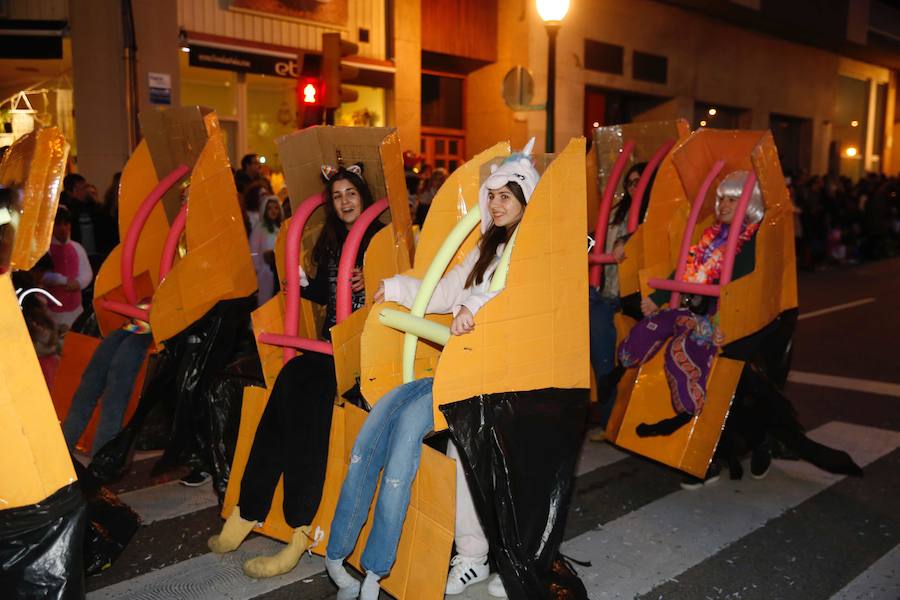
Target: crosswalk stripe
(831,309)
(210,577)
(883,388)
(649,546)
(879,581)
(169,500)
(633,552)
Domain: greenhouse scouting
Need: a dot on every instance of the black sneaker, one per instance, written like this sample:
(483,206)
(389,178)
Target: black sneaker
(760,461)
(195,478)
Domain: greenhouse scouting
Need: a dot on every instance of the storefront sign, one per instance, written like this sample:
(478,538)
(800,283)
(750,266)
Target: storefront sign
(244,62)
(160,88)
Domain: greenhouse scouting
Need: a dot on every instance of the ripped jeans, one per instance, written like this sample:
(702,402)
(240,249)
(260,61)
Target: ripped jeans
(390,439)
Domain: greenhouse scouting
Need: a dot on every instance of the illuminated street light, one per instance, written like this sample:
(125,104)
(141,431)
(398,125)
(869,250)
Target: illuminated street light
(851,151)
(712,112)
(552,12)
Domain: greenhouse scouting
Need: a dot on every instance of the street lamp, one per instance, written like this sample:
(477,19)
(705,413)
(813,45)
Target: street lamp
(552,12)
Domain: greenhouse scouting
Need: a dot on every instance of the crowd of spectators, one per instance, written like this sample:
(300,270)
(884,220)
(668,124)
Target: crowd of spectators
(839,222)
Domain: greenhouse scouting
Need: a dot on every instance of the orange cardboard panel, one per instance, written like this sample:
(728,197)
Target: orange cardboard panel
(77,352)
(33,167)
(217,265)
(534,334)
(691,448)
(33,456)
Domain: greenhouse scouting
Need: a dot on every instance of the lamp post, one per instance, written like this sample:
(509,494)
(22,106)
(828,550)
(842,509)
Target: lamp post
(552,12)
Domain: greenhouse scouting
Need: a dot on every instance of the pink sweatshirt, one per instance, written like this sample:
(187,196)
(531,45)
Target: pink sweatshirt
(450,294)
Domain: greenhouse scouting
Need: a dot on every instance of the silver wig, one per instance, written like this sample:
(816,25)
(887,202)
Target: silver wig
(733,186)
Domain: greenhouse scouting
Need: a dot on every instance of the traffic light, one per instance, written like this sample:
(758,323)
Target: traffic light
(334,73)
(309,91)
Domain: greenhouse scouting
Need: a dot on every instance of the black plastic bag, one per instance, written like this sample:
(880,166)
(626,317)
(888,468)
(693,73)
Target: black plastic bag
(222,400)
(41,548)
(110,523)
(192,363)
(111,461)
(519,451)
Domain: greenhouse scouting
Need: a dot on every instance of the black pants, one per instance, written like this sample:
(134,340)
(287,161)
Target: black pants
(292,438)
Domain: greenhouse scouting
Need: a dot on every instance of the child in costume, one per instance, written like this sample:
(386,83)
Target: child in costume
(391,438)
(71,272)
(262,246)
(691,329)
(292,436)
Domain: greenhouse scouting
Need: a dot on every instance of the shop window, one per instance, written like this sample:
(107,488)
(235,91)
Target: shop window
(208,87)
(366,111)
(271,113)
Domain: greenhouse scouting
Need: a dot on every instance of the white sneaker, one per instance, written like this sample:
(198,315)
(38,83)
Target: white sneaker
(464,572)
(495,587)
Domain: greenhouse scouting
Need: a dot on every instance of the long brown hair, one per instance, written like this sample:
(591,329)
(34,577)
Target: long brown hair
(492,239)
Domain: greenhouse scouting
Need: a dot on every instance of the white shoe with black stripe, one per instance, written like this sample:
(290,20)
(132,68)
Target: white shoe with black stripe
(464,572)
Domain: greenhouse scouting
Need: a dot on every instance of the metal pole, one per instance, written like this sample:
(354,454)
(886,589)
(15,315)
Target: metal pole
(552,30)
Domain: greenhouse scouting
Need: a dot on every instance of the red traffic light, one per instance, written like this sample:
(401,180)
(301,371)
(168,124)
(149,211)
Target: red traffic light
(309,91)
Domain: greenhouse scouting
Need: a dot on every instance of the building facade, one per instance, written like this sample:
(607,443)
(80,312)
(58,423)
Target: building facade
(822,79)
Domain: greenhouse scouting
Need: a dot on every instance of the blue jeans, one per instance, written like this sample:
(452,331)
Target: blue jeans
(390,439)
(603,347)
(111,374)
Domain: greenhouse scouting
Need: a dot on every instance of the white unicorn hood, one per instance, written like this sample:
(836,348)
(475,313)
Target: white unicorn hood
(518,168)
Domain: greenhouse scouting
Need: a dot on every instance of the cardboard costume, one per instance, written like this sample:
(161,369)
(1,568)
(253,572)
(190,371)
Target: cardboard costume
(505,359)
(286,510)
(42,511)
(756,312)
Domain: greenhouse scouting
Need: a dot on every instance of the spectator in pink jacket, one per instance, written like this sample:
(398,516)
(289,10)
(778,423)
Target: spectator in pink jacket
(71,272)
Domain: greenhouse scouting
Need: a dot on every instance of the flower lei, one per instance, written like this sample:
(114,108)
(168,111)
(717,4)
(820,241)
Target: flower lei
(704,264)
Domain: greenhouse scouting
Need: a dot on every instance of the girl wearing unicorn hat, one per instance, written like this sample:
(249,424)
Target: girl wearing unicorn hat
(391,438)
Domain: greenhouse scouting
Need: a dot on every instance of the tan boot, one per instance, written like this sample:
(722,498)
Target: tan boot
(282,562)
(233,533)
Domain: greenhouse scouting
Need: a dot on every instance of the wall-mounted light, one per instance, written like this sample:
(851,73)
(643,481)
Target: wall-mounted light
(854,123)
(702,123)
(712,112)
(183,42)
(596,124)
(851,151)
(262,160)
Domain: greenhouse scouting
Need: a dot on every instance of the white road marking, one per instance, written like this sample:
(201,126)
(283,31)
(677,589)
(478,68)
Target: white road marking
(647,547)
(869,386)
(211,577)
(831,309)
(880,581)
(169,500)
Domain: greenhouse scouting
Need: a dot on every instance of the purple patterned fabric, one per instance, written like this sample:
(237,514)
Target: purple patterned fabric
(689,355)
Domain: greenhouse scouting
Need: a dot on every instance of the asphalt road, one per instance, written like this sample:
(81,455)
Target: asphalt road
(799,533)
